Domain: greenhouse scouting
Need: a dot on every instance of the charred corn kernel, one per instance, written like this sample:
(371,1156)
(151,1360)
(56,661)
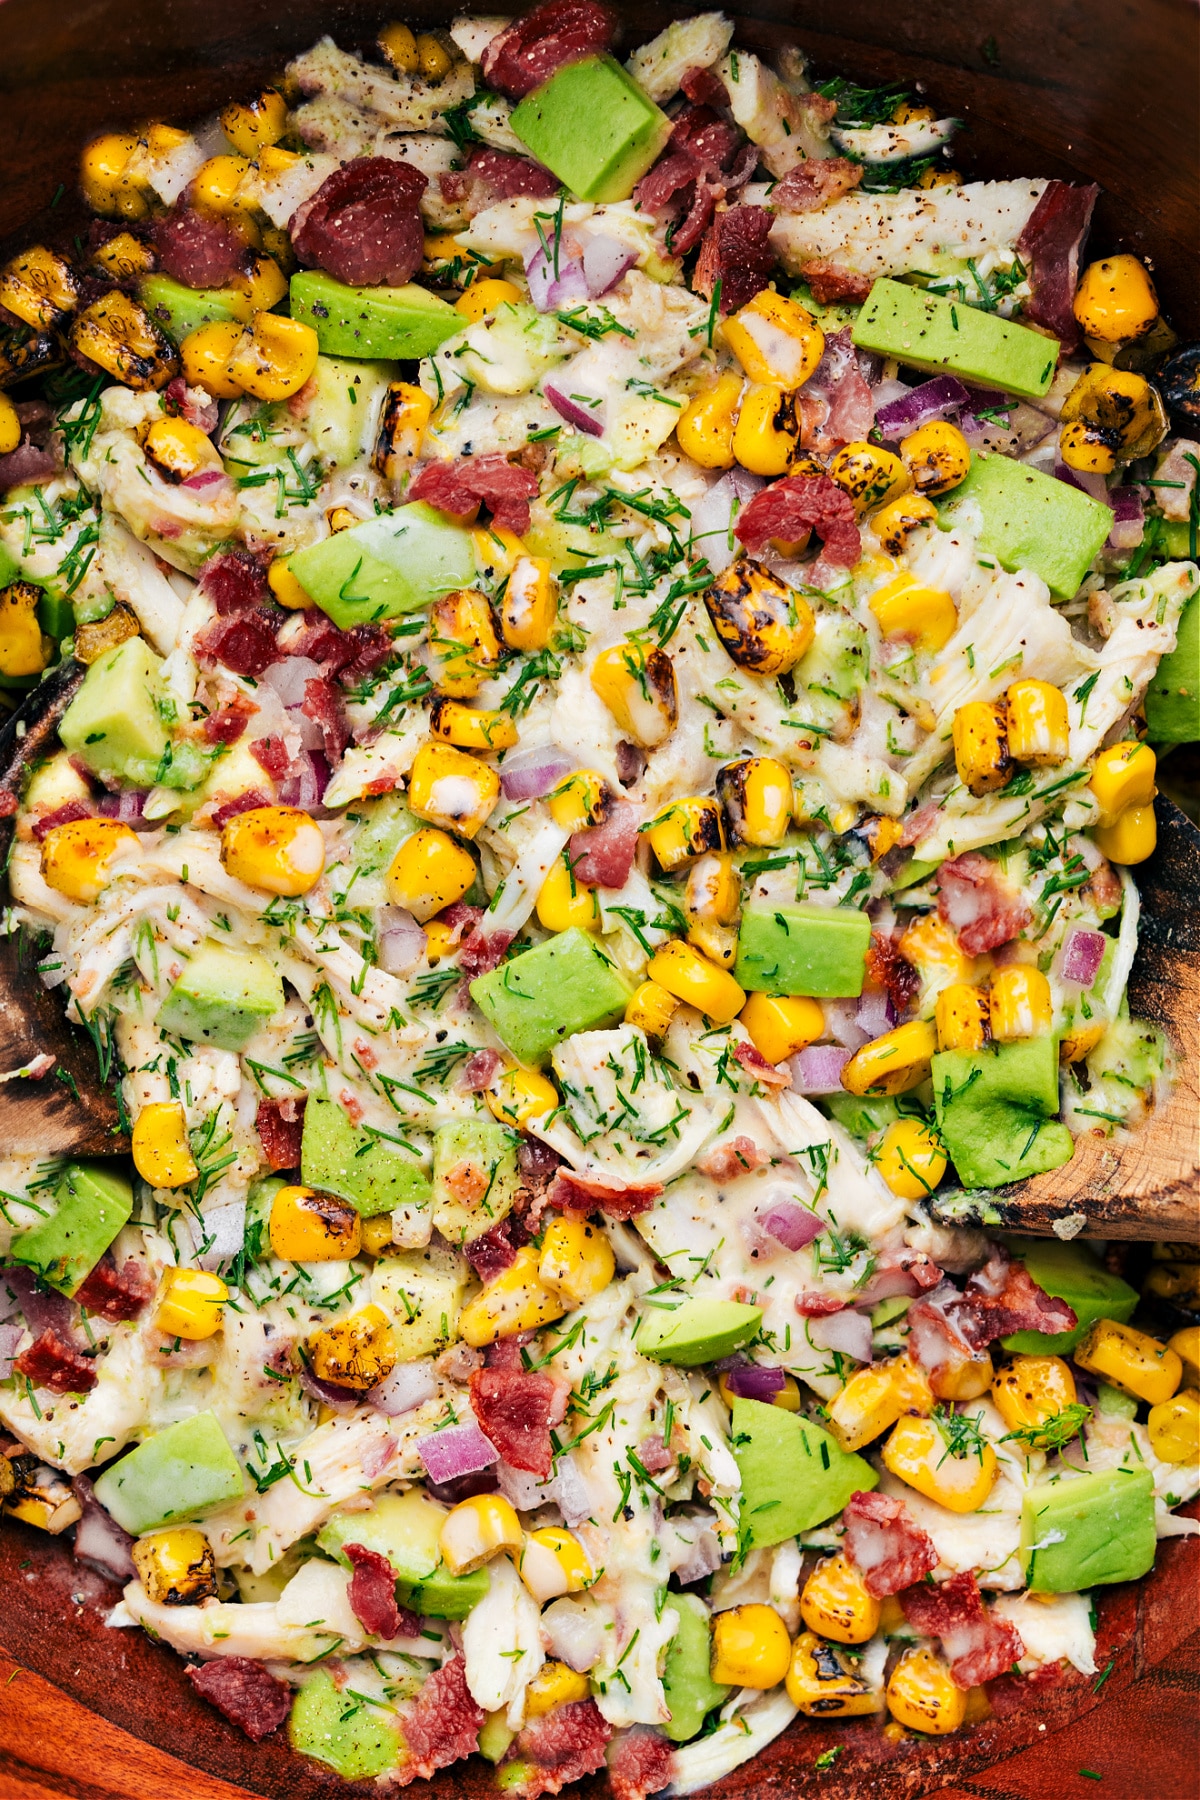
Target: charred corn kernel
(377,1234)
(120,337)
(835,1604)
(162,1155)
(518,1096)
(893,1063)
(94,638)
(457,724)
(1031,1390)
(895,523)
(433,59)
(428,872)
(920,1454)
(705,428)
(906,607)
(307,1227)
(340,518)
(107,189)
(497,549)
(75,857)
(555,1684)
(399,45)
(483,297)
(1173,1427)
(922,1697)
(260,286)
(178,449)
(1122,410)
(204,355)
(1039,731)
(356,1351)
(685,830)
(981,747)
(576,1259)
(39,287)
(1079,1041)
(581,800)
(1115,299)
(717,942)
(713,890)
(274,357)
(176,1567)
(638,687)
(762,622)
(757,797)
(910,1158)
(1186,1345)
(251,125)
(1020,1004)
(1130,1360)
(766,438)
(515,1300)
(462,635)
(1179,1282)
(780,1025)
(452,789)
(937,456)
(554,1562)
(278,849)
(1123,775)
(406,413)
(875,1397)
(870,475)
(822,1686)
(564,901)
(775,339)
(651,1009)
(215,185)
(285,587)
(963,1017)
(24,649)
(191,1305)
(692,978)
(1087,447)
(931,946)
(750,1647)
(1131,838)
(10,430)
(529,606)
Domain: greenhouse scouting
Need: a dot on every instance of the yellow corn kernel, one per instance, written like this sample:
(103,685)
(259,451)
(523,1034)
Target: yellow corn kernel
(92,640)
(875,1397)
(483,297)
(750,1647)
(918,1454)
(922,1697)
(162,1155)
(452,789)
(685,830)
(10,432)
(910,1158)
(906,607)
(962,1379)
(119,336)
(260,287)
(893,1063)
(713,890)
(406,413)
(933,178)
(428,872)
(766,438)
(1031,1390)
(764,624)
(39,287)
(457,724)
(518,1096)
(1177,1281)
(276,848)
(529,606)
(822,1686)
(963,1017)
(1122,411)
(1186,1345)
(191,1305)
(563,901)
(1131,838)
(870,475)
(775,339)
(215,185)
(1130,1360)
(780,1025)
(433,59)
(907,113)
(1039,731)
(340,518)
(937,456)
(307,1227)
(554,1562)
(692,978)
(440,941)
(24,648)
(576,1259)
(981,747)
(106,187)
(75,857)
(1078,1041)
(895,523)
(178,449)
(176,1567)
(377,1234)
(399,45)
(1115,299)
(555,1684)
(1021,1004)
(651,1009)
(931,946)
(705,428)
(835,1604)
(1123,775)
(757,797)
(497,549)
(355,1352)
(515,1300)
(717,942)
(638,687)
(580,801)
(204,356)
(251,125)
(274,357)
(1173,1427)
(285,587)
(463,638)
(1085,446)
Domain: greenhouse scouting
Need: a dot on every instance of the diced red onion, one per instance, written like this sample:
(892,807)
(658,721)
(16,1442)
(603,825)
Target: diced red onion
(818,1070)
(1129,519)
(479,1071)
(752,1382)
(401,940)
(100,1543)
(934,399)
(205,479)
(128,806)
(549,288)
(1086,480)
(1081,956)
(713,516)
(341,1399)
(458,1450)
(10,1337)
(409,1385)
(309,731)
(843,1024)
(605,260)
(789,1224)
(520,1489)
(699,1546)
(874,1013)
(288,678)
(306,780)
(529,774)
(44,1308)
(579,416)
(570,1492)
(847,1331)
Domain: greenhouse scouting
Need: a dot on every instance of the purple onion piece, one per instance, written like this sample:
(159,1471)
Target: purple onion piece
(289,677)
(10,1337)
(458,1450)
(1129,518)
(1085,480)
(818,1070)
(341,1399)
(572,412)
(789,1224)
(605,260)
(44,1308)
(100,1543)
(1081,956)
(530,774)
(409,1385)
(873,1013)
(750,1382)
(934,399)
(552,286)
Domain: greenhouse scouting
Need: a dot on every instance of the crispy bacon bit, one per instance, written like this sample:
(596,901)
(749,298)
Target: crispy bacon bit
(459,487)
(1051,246)
(815,183)
(838,387)
(704,88)
(243,643)
(559,1747)
(1010,1300)
(372,1592)
(363,224)
(228,722)
(604,855)
(483,950)
(736,252)
(349,654)
(192,404)
(537,46)
(280,1126)
(756,1064)
(270,753)
(888,1549)
(737,1156)
(246,802)
(981,907)
(478,1070)
(654,1455)
(234,579)
(53,1362)
(324,705)
(978,1646)
(699,166)
(116,1294)
(496,1250)
(818,1306)
(830,284)
(199,249)
(246,1692)
(583,1194)
(493,175)
(441,1726)
(641,1764)
(937,1335)
(62,815)
(515,1410)
(790,508)
(897,1272)
(888,969)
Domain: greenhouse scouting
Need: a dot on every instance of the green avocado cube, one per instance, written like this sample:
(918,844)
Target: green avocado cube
(179,310)
(1069,1272)
(688,1687)
(594,128)
(863,1114)
(473,1157)
(222,998)
(803,949)
(1173,697)
(353,1737)
(927,332)
(997,1111)
(1086,1531)
(794,1474)
(339,1157)
(342,406)
(422,1293)
(441,1595)
(1029,520)
(91,1203)
(543,996)
(387,566)
(180,1473)
(391,322)
(402,1527)
(115,722)
(697,1331)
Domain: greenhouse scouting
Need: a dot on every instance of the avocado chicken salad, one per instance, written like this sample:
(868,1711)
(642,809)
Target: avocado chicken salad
(605,625)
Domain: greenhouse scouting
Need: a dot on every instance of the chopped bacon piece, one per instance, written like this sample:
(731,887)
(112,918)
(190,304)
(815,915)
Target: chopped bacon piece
(981,907)
(53,1362)
(483,950)
(641,1764)
(538,1164)
(192,404)
(270,753)
(492,175)
(535,47)
(897,1272)
(941,1335)
(246,1692)
(1010,1300)
(234,579)
(737,1156)
(324,705)
(583,1194)
(830,284)
(888,969)
(372,1592)
(349,654)
(479,1070)
(818,1306)
(756,1064)
(459,487)
(839,385)
(199,249)
(363,224)
(736,252)
(704,88)
(228,722)
(116,1294)
(244,643)
(515,1410)
(604,855)
(813,184)
(1051,246)
(700,165)
(654,1455)
(441,1725)
(888,1549)
(710,141)
(253,797)
(559,1747)
(69,814)
(495,1250)
(790,508)
(460,920)
(978,1646)
(280,1126)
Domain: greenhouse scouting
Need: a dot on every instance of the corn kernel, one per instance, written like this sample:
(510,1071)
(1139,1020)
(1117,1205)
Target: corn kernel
(651,1009)
(462,636)
(1131,838)
(257,288)
(1032,1390)
(563,901)
(895,523)
(476,1530)
(963,1017)
(921,1695)
(1130,1360)
(1174,1427)
(918,1454)
(750,1647)
(717,942)
(766,438)
(529,606)
(274,357)
(555,1684)
(518,1096)
(757,797)
(433,59)
(981,747)
(576,1259)
(1021,1004)
(638,687)
(713,890)
(763,623)
(934,178)
(428,872)
(1078,1041)
(176,1567)
(356,1351)
(75,857)
(307,1227)
(875,1397)
(161,1153)
(692,978)
(937,456)
(10,430)
(781,1025)
(906,607)
(1179,1282)
(932,948)
(377,1235)
(191,1305)
(962,1377)
(39,287)
(1087,447)
(1186,1345)
(406,413)
(705,428)
(483,297)
(910,1158)
(515,1300)
(822,1686)
(286,589)
(1122,411)
(1115,299)
(179,450)
(835,1604)
(276,848)
(470,729)
(907,113)
(1039,732)
(554,1562)
(441,940)
(580,801)
(204,355)
(452,789)
(215,185)
(685,830)
(24,647)
(870,475)
(119,336)
(251,125)
(893,1063)
(775,340)
(107,189)
(398,43)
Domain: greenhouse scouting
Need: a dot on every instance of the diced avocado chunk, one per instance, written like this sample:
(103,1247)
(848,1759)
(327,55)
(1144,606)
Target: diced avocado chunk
(339,1157)
(180,1473)
(256,1238)
(402,1527)
(222,998)
(794,1475)
(698,1331)
(342,406)
(996,1111)
(1173,697)
(688,1688)
(386,566)
(90,1204)
(927,332)
(1111,1400)
(475,1177)
(391,322)
(1069,1272)
(353,1737)
(114,724)
(861,1114)
(180,310)
(442,1595)
(422,1293)
(495,1736)
(593,127)
(546,994)
(803,949)
(1029,520)
(1085,1531)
